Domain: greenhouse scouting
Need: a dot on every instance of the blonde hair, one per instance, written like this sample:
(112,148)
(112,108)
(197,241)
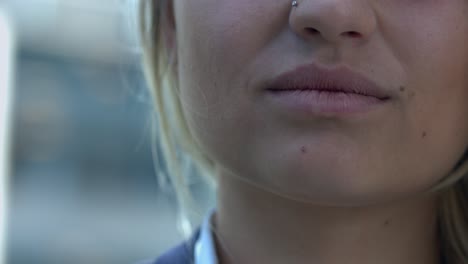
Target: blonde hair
(180,149)
(171,134)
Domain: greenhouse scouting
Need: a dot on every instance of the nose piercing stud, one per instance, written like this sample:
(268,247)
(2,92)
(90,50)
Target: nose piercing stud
(294,3)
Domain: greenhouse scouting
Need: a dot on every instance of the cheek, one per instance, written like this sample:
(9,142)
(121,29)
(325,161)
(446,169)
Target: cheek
(428,38)
(435,104)
(217,39)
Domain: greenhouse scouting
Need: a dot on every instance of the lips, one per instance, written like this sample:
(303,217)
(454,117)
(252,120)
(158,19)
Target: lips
(338,80)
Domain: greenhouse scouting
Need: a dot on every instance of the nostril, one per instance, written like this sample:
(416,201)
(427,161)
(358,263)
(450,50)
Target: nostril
(352,34)
(312,31)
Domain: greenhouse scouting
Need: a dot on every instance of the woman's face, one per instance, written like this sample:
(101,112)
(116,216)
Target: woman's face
(415,51)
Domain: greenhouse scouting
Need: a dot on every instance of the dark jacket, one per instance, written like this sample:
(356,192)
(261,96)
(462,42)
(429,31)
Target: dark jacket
(180,254)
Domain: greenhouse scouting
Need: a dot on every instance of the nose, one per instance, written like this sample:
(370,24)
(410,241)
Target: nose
(334,21)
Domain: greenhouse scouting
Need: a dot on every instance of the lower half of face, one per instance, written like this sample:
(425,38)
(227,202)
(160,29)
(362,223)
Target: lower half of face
(400,146)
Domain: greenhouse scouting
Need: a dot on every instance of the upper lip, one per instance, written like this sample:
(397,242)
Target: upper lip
(313,77)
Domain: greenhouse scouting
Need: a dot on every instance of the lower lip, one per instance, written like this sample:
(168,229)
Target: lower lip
(316,102)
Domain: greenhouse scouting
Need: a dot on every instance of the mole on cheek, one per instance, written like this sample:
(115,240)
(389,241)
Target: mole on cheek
(303,149)
(402,88)
(424,134)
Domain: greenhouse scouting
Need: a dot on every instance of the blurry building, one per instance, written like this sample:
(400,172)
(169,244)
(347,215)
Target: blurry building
(83,188)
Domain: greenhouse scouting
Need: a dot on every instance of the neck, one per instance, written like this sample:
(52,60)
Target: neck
(256,226)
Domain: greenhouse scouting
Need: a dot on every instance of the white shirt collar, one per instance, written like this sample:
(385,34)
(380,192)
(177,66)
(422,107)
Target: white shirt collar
(205,252)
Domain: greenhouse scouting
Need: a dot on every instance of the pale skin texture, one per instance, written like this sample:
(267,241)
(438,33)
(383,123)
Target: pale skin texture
(325,190)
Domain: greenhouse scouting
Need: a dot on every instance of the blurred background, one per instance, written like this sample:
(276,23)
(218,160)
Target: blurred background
(82,187)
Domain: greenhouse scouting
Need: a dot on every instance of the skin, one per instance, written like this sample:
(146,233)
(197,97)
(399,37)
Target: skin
(322,189)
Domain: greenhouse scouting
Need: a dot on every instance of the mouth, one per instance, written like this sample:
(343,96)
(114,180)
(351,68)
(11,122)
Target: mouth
(320,91)
(341,80)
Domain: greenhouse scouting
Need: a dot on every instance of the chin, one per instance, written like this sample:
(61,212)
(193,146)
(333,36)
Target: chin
(338,185)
